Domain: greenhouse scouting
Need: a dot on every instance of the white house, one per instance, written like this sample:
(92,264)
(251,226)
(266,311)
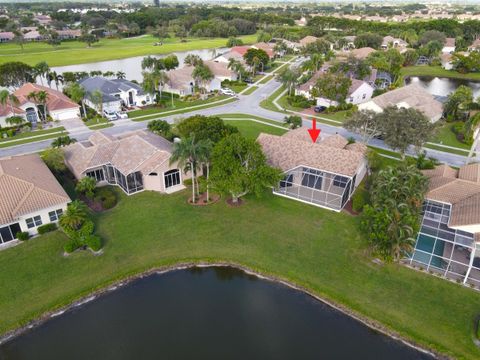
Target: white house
(449,46)
(410,96)
(116,93)
(30,196)
(360,91)
(396,43)
(59,106)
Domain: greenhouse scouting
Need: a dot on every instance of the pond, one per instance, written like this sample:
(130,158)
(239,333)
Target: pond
(132,66)
(204,313)
(442,87)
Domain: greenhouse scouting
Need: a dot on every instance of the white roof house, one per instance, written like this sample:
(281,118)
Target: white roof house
(449,46)
(410,96)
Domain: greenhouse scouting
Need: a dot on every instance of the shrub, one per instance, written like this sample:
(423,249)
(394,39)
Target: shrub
(23,236)
(47,228)
(106,197)
(86,229)
(93,242)
(360,198)
(299,101)
(71,245)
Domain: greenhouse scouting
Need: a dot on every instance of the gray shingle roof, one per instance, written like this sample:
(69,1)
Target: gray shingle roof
(109,87)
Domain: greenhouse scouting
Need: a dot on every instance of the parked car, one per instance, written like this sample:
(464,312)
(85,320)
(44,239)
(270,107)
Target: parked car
(248,81)
(226,91)
(110,115)
(121,115)
(319,109)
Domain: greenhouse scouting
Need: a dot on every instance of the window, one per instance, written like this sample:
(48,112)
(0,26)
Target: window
(98,175)
(34,222)
(364,96)
(172,178)
(350,99)
(55,215)
(340,181)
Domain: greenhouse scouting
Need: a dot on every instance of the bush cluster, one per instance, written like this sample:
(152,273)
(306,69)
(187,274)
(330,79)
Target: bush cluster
(23,236)
(47,228)
(106,197)
(299,101)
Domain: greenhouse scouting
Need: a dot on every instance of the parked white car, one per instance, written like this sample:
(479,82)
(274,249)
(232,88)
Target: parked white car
(226,91)
(122,115)
(110,115)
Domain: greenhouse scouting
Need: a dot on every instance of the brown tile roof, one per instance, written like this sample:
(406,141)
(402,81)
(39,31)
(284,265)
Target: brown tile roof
(129,153)
(449,42)
(219,68)
(459,188)
(55,101)
(181,78)
(265,47)
(414,96)
(308,40)
(27,186)
(362,53)
(288,152)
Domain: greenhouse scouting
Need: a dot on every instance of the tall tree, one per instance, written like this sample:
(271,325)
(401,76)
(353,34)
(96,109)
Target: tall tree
(333,87)
(77,93)
(8,98)
(237,67)
(289,78)
(256,57)
(193,60)
(460,99)
(239,167)
(15,74)
(41,70)
(202,75)
(364,122)
(97,98)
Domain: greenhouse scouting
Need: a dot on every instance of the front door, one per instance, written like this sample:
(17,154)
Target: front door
(31,115)
(130,98)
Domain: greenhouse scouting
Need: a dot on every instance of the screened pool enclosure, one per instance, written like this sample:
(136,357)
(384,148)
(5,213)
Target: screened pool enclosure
(130,183)
(448,252)
(317,187)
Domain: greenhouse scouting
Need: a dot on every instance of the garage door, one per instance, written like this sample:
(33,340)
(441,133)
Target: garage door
(65,114)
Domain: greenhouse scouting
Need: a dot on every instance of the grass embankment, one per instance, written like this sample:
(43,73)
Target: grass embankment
(250,90)
(436,71)
(32,136)
(266,79)
(268,102)
(76,52)
(98,123)
(251,126)
(179,107)
(315,248)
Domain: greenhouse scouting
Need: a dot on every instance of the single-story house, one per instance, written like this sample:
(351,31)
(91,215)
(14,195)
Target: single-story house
(59,106)
(307,40)
(30,196)
(396,43)
(134,161)
(43,19)
(225,58)
(268,48)
(69,34)
(446,59)
(449,46)
(475,46)
(325,173)
(181,81)
(33,36)
(362,53)
(360,91)
(6,36)
(448,242)
(116,93)
(350,42)
(410,96)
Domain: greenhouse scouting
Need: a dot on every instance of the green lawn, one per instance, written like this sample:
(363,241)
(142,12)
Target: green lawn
(446,136)
(32,136)
(236,87)
(251,129)
(75,52)
(338,116)
(436,71)
(321,250)
(250,90)
(268,102)
(98,123)
(248,116)
(178,105)
(266,79)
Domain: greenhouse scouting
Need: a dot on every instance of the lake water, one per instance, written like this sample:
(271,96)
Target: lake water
(132,66)
(443,86)
(208,313)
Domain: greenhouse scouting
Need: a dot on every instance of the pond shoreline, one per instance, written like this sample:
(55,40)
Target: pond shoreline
(202,264)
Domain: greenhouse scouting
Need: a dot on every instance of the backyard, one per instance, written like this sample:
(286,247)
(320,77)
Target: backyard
(315,248)
(76,52)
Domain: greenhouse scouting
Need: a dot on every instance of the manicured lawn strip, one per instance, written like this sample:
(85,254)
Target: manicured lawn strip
(251,129)
(447,150)
(75,52)
(31,140)
(437,71)
(266,79)
(268,102)
(338,116)
(386,152)
(33,133)
(445,136)
(101,126)
(321,250)
(237,88)
(96,121)
(179,104)
(248,116)
(250,90)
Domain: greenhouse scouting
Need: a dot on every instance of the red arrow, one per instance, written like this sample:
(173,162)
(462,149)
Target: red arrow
(314,132)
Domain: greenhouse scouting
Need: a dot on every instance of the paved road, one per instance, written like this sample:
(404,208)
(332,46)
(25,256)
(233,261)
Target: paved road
(247,104)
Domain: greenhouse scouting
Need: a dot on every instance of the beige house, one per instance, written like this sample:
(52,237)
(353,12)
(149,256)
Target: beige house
(448,242)
(135,162)
(410,96)
(324,174)
(30,196)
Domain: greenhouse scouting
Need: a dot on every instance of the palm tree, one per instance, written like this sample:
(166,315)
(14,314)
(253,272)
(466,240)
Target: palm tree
(74,216)
(237,67)
(109,74)
(154,81)
(193,60)
(77,93)
(289,78)
(186,152)
(62,141)
(97,98)
(204,154)
(57,78)
(41,70)
(202,74)
(6,97)
(121,75)
(42,98)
